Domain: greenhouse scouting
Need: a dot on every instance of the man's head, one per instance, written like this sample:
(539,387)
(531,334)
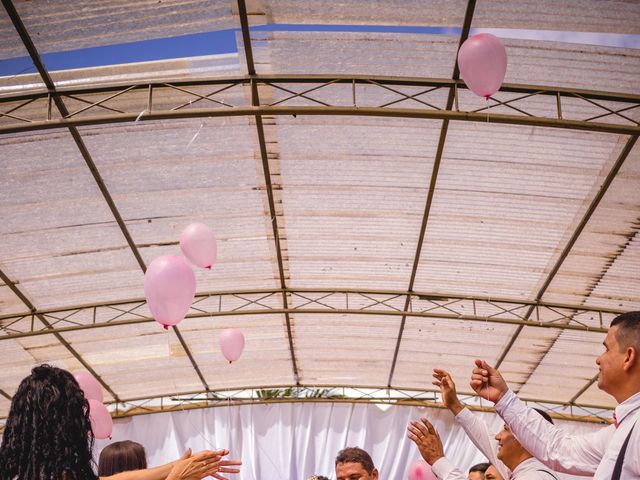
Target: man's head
(510,451)
(353,463)
(477,471)
(492,474)
(620,364)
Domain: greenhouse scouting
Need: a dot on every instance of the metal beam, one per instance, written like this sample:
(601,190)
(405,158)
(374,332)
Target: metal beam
(471,5)
(568,247)
(64,112)
(255,101)
(315,302)
(302,79)
(335,394)
(385,112)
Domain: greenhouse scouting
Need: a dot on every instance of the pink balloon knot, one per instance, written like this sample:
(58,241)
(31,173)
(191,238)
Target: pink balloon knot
(230,362)
(110,437)
(208,267)
(487,97)
(166,327)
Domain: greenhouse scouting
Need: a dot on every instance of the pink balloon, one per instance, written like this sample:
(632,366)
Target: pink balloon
(483,63)
(169,287)
(198,243)
(101,421)
(89,385)
(421,470)
(231,344)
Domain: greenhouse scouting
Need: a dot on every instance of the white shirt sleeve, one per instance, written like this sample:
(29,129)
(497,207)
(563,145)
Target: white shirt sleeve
(444,470)
(479,434)
(574,454)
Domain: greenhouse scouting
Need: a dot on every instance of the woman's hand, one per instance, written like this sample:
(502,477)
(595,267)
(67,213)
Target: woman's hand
(203,464)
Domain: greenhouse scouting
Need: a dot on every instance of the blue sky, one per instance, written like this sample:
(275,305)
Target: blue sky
(224,41)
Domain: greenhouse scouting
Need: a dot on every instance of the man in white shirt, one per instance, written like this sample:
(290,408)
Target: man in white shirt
(508,457)
(610,453)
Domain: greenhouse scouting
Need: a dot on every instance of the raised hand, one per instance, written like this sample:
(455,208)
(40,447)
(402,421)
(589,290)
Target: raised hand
(427,440)
(203,464)
(448,389)
(487,382)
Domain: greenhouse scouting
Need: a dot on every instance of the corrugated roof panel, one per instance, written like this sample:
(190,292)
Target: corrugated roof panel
(9,302)
(16,364)
(452,345)
(265,360)
(566,16)
(5,405)
(506,199)
(165,175)
(352,197)
(573,15)
(572,65)
(82,23)
(56,224)
(223,65)
(354,53)
(574,354)
(127,356)
(619,287)
(345,349)
(394,12)
(604,263)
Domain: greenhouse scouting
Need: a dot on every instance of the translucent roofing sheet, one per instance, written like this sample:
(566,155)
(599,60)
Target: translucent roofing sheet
(572,65)
(572,15)
(354,53)
(9,302)
(165,175)
(352,198)
(453,345)
(127,356)
(393,12)
(56,225)
(507,199)
(59,26)
(604,264)
(573,353)
(345,350)
(266,359)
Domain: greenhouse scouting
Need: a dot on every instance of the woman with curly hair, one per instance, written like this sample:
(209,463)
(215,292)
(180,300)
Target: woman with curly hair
(48,436)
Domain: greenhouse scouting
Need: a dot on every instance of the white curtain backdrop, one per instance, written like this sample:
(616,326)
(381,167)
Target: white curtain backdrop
(296,440)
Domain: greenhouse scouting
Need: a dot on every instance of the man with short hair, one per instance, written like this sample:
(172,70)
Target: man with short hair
(492,474)
(353,463)
(509,458)
(610,453)
(477,471)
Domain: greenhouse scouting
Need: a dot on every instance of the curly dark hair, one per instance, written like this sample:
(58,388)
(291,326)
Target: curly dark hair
(48,433)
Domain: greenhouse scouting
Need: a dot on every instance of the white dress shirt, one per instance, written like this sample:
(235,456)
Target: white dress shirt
(483,439)
(478,432)
(591,454)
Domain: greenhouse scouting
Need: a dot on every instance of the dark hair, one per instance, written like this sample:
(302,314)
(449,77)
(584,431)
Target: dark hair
(480,467)
(355,455)
(545,415)
(317,477)
(628,329)
(120,457)
(48,432)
